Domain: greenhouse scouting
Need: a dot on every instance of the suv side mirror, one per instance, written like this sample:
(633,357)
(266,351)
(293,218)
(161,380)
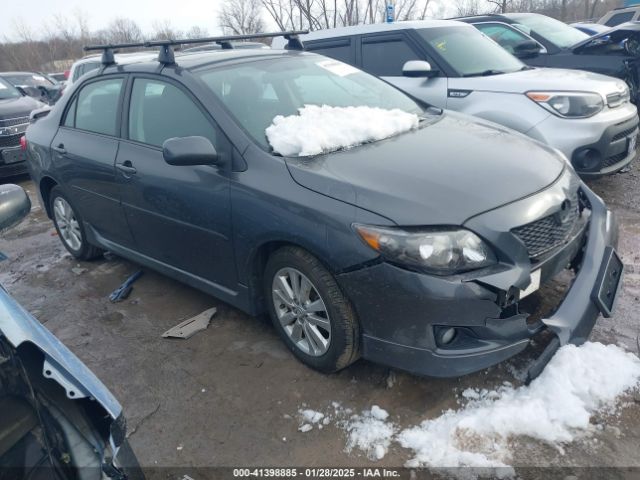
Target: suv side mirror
(418,68)
(14,205)
(526,49)
(185,151)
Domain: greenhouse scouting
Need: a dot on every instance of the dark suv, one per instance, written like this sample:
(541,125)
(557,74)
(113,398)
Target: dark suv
(543,41)
(415,251)
(15,109)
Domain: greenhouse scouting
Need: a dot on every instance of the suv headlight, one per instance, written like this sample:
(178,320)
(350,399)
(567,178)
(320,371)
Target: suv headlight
(569,104)
(441,251)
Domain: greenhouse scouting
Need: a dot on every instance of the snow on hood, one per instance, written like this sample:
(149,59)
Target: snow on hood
(327,129)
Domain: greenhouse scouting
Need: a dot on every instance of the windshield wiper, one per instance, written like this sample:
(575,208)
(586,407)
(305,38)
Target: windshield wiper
(486,73)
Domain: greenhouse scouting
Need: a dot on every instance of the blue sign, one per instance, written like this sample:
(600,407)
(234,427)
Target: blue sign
(390,13)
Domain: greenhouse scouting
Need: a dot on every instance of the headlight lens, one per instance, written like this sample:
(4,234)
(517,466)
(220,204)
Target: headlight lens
(442,252)
(569,104)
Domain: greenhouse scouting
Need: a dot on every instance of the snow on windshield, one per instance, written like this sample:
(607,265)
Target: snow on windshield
(326,129)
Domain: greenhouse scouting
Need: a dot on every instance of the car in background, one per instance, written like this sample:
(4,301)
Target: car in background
(621,15)
(588,117)
(15,108)
(60,77)
(92,62)
(35,84)
(416,251)
(542,41)
(58,420)
(218,46)
(590,28)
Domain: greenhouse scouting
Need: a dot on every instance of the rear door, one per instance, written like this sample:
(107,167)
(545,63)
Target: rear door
(384,55)
(84,151)
(179,215)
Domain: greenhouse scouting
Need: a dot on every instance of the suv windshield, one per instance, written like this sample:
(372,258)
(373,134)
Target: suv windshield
(255,93)
(558,33)
(470,52)
(30,80)
(7,90)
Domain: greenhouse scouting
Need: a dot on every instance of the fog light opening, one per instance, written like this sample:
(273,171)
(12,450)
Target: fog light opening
(588,159)
(444,335)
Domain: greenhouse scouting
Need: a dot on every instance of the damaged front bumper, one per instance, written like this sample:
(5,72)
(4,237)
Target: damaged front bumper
(48,363)
(404,314)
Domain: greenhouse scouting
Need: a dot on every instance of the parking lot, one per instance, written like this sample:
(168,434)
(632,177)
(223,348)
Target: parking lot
(230,395)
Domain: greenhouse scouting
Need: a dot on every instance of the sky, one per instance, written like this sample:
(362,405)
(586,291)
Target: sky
(182,14)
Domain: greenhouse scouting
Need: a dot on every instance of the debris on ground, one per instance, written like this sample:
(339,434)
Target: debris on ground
(123,291)
(191,326)
(79,270)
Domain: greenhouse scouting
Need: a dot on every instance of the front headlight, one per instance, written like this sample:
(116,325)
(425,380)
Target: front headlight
(569,104)
(441,251)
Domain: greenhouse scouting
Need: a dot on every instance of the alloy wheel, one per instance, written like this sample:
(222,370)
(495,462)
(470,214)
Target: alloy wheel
(301,311)
(67,223)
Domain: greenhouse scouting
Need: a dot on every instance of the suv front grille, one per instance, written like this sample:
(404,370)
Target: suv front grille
(11,122)
(551,232)
(10,140)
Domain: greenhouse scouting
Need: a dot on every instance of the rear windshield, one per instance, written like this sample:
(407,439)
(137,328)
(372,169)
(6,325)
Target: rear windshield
(7,90)
(29,80)
(470,52)
(256,92)
(558,33)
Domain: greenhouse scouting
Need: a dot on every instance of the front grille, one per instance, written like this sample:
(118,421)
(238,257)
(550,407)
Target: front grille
(10,122)
(10,141)
(548,233)
(627,133)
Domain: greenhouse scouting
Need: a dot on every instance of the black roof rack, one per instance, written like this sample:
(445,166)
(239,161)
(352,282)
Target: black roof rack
(167,57)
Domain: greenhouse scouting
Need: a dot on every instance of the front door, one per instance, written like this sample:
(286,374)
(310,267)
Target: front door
(179,215)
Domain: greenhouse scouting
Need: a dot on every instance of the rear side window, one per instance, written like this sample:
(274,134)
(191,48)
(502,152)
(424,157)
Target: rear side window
(97,107)
(386,57)
(160,111)
(619,18)
(338,49)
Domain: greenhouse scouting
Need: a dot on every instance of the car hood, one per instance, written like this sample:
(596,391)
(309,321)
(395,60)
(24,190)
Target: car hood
(445,172)
(615,35)
(19,327)
(547,79)
(17,107)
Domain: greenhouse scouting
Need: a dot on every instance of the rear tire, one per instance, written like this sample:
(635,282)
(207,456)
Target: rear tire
(309,311)
(70,227)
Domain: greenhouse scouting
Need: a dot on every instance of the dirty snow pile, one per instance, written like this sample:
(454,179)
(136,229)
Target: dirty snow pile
(554,409)
(323,129)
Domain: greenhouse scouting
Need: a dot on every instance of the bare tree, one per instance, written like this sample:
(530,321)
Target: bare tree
(239,17)
(122,30)
(196,32)
(163,30)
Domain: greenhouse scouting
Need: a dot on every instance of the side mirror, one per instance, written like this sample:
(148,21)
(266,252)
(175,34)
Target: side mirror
(526,49)
(418,68)
(14,205)
(184,151)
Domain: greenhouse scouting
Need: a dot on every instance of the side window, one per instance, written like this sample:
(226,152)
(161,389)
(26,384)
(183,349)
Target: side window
(619,18)
(386,57)
(160,111)
(97,106)
(70,118)
(338,49)
(506,37)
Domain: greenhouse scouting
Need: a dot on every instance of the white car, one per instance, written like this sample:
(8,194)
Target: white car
(92,62)
(452,65)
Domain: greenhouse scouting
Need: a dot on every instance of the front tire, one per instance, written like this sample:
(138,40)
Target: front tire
(311,314)
(69,226)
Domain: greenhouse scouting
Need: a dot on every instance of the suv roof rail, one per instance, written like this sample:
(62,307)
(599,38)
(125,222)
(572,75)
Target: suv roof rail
(167,57)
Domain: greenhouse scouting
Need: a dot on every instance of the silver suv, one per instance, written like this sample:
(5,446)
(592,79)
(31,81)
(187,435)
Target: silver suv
(449,64)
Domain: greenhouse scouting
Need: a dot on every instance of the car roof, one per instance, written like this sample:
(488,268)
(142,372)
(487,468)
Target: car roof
(20,73)
(378,27)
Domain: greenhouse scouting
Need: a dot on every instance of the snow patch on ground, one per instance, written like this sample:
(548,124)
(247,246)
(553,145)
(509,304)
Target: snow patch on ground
(323,129)
(555,409)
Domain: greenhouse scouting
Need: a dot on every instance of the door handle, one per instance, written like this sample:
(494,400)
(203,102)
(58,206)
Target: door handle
(60,149)
(127,168)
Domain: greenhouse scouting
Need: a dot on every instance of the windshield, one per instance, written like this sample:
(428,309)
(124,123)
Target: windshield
(29,80)
(558,33)
(7,90)
(470,52)
(255,93)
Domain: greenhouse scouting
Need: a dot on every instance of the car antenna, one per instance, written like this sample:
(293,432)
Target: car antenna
(108,57)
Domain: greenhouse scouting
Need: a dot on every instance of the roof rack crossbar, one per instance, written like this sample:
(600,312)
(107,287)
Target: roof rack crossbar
(107,50)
